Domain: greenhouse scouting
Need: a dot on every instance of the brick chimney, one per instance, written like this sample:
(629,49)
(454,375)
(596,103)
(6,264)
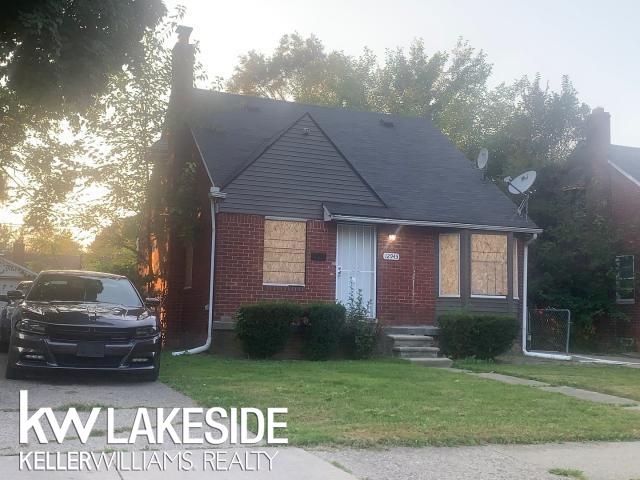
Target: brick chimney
(598,141)
(182,62)
(599,135)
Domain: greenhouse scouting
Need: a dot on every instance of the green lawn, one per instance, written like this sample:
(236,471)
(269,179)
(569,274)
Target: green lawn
(386,402)
(611,379)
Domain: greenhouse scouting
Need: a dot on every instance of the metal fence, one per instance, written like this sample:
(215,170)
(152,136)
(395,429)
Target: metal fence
(548,330)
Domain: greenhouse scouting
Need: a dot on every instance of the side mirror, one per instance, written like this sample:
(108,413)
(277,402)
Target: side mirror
(15,295)
(152,302)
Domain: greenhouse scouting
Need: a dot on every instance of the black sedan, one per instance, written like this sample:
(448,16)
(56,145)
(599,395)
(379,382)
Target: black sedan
(83,321)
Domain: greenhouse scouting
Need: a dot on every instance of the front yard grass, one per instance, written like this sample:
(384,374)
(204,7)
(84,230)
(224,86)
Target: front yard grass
(611,379)
(387,402)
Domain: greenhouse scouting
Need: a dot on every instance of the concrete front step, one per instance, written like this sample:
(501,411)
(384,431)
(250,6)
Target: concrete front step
(415,352)
(411,330)
(439,362)
(411,340)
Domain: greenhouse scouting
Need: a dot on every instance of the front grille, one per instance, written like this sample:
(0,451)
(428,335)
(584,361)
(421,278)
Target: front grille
(89,362)
(96,334)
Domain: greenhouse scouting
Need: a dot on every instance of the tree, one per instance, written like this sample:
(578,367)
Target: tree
(55,58)
(573,262)
(58,54)
(446,87)
(52,248)
(114,250)
(125,124)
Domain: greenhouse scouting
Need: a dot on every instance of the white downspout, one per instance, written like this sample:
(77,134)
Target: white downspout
(215,195)
(525,271)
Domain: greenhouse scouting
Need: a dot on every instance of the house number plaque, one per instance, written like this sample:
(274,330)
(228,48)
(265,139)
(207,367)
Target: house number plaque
(391,256)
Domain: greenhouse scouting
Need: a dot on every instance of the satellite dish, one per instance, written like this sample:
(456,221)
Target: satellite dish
(522,182)
(483,158)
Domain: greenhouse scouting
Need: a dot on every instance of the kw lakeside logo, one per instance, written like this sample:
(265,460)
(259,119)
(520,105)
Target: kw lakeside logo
(214,426)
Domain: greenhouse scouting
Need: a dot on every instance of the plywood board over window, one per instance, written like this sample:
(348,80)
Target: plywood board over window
(489,265)
(449,265)
(284,252)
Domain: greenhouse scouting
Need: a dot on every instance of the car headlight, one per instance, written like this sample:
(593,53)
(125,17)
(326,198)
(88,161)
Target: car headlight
(149,331)
(31,326)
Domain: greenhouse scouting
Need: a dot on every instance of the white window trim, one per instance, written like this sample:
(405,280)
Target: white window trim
(440,294)
(627,301)
(283,284)
(515,271)
(497,297)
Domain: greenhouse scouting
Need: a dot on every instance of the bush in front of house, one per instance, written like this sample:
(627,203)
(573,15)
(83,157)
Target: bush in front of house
(360,332)
(264,328)
(465,334)
(324,324)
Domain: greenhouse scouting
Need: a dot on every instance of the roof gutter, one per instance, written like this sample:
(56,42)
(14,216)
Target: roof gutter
(425,223)
(215,196)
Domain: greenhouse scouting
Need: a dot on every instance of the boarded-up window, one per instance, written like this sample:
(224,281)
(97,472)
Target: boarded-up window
(489,265)
(515,269)
(449,265)
(284,252)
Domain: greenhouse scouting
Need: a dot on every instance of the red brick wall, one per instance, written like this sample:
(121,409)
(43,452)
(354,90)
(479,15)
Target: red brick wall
(625,203)
(406,287)
(239,254)
(186,316)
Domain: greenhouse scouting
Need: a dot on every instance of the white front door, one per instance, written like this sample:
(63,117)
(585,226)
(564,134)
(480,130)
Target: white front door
(356,264)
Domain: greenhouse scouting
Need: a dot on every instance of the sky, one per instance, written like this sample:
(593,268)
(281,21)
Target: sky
(596,43)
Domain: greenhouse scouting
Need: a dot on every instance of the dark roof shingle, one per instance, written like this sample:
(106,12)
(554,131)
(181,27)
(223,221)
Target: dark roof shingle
(413,167)
(626,158)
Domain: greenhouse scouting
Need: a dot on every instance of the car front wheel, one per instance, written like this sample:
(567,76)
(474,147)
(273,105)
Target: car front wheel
(13,373)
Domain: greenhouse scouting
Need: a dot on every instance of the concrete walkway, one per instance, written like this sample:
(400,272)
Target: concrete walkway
(582,394)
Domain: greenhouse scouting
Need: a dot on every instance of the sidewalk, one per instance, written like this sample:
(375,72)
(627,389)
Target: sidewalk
(289,464)
(580,393)
(598,461)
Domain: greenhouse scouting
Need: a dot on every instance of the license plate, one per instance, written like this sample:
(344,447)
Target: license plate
(90,349)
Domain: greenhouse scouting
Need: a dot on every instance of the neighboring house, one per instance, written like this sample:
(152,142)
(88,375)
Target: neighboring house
(610,177)
(11,274)
(306,203)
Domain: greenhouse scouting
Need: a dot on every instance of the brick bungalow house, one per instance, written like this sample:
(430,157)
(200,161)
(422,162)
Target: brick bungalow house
(304,203)
(610,177)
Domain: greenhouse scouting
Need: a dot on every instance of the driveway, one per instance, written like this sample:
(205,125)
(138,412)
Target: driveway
(61,391)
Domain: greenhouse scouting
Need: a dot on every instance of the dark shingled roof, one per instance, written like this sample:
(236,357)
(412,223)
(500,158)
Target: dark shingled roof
(627,158)
(411,165)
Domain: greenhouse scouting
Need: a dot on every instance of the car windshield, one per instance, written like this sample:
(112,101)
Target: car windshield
(77,288)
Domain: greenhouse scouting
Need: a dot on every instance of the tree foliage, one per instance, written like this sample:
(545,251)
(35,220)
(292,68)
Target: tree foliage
(115,250)
(58,54)
(56,57)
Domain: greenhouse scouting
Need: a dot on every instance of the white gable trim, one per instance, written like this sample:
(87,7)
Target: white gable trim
(18,267)
(625,174)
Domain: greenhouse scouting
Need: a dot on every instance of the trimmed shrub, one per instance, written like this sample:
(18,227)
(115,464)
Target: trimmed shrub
(264,328)
(323,329)
(465,334)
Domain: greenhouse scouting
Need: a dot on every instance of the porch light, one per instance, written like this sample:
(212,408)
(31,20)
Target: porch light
(392,237)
